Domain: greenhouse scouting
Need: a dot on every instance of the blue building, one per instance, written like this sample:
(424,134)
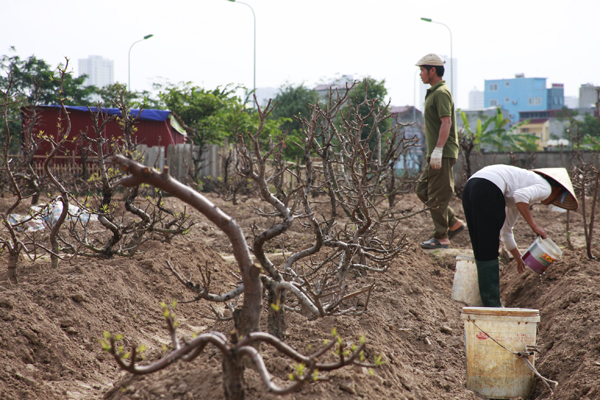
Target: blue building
(556,96)
(522,94)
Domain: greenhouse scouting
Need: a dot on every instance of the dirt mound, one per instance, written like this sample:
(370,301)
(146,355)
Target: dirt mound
(568,298)
(50,322)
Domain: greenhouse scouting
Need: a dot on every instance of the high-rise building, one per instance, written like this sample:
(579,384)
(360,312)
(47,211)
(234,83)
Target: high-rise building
(100,71)
(476,99)
(588,96)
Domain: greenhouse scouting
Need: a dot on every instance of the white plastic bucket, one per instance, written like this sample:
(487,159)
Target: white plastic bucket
(493,371)
(541,254)
(465,287)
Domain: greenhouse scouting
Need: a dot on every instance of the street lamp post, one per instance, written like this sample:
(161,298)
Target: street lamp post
(129,61)
(254,16)
(451,61)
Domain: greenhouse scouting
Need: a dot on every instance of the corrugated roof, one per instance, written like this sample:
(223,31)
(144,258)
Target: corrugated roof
(148,115)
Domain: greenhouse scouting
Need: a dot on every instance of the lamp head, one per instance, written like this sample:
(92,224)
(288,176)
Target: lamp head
(148,37)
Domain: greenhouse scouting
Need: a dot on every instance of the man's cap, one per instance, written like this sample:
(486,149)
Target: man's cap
(567,200)
(430,59)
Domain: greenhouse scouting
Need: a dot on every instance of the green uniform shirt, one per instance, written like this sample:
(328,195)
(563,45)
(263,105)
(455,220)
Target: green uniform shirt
(439,103)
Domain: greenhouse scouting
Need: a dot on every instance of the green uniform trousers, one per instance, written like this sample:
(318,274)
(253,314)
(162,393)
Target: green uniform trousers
(437,187)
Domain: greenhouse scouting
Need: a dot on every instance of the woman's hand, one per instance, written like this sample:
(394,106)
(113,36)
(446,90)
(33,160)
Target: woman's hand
(517,256)
(520,265)
(538,230)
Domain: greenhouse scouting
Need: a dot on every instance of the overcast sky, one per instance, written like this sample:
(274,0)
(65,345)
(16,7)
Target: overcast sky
(210,42)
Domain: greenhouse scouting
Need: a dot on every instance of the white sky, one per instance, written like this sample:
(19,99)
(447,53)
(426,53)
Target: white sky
(210,42)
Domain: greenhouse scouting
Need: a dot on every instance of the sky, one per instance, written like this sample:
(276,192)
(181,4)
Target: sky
(211,42)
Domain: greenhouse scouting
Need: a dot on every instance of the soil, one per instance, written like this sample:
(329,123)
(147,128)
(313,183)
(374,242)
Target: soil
(51,321)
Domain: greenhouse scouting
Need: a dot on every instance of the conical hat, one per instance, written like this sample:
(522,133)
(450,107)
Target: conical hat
(568,201)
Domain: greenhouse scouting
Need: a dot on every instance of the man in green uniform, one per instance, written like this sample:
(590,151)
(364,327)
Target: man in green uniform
(436,184)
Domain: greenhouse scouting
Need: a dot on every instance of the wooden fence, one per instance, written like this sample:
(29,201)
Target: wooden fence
(184,160)
(61,166)
(540,159)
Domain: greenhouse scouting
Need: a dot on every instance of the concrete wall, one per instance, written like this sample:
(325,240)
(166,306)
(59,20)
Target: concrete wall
(543,159)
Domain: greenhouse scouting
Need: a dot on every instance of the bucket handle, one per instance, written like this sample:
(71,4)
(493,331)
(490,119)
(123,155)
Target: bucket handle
(525,357)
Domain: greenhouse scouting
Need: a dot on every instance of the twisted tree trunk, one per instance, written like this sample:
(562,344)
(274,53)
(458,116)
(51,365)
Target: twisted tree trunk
(233,377)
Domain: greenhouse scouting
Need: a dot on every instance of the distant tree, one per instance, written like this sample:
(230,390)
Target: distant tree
(293,101)
(34,83)
(194,106)
(590,126)
(565,113)
(494,134)
(110,95)
(31,73)
(218,117)
(211,116)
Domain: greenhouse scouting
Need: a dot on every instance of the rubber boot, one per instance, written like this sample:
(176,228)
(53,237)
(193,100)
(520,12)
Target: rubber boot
(488,274)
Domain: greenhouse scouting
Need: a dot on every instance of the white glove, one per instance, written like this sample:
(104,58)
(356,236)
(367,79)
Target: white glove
(436,158)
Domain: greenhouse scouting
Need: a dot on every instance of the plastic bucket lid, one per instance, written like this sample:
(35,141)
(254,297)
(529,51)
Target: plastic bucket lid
(499,312)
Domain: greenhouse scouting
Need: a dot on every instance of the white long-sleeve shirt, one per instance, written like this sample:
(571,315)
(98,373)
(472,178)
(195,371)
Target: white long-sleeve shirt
(518,186)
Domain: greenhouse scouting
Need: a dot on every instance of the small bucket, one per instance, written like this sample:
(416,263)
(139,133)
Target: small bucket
(541,254)
(465,287)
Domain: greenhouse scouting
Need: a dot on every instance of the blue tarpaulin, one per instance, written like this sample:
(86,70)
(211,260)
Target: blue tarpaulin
(148,115)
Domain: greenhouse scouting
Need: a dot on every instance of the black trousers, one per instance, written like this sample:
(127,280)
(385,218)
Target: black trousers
(485,212)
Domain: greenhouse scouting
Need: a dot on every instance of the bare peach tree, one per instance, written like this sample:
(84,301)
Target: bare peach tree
(145,219)
(230,185)
(317,280)
(24,102)
(585,175)
(10,240)
(56,144)
(30,142)
(19,233)
(314,280)
(339,163)
(244,339)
